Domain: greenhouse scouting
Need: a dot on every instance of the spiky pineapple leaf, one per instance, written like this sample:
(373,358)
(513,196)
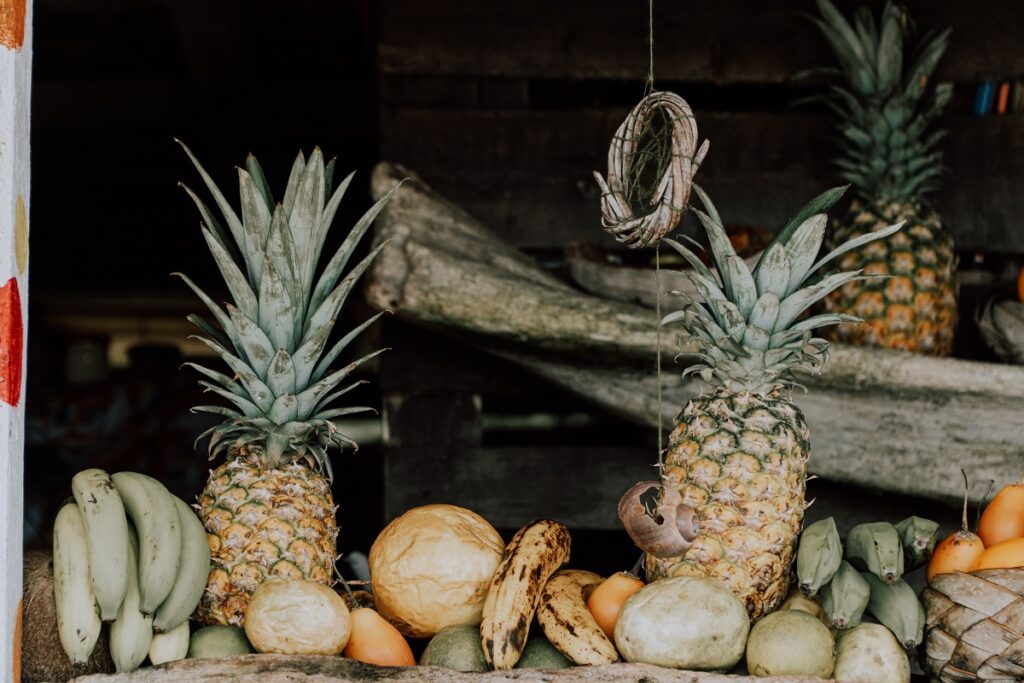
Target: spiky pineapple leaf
(248,408)
(281,252)
(336,266)
(765,311)
(333,303)
(209,330)
(222,318)
(802,299)
(310,397)
(256,171)
(744,288)
(855,243)
(329,212)
(236,281)
(890,49)
(285,409)
(213,223)
(329,398)
(281,373)
(820,204)
(816,321)
(755,338)
(255,343)
(255,222)
(258,391)
(773,270)
(219,377)
(217,410)
(802,250)
(276,308)
(304,217)
(298,166)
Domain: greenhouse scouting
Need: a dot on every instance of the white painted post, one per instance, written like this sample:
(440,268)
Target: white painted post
(15,86)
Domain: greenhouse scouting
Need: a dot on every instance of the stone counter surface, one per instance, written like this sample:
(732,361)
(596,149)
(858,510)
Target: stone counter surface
(308,669)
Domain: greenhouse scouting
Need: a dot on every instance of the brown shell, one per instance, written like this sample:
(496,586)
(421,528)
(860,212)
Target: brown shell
(657,520)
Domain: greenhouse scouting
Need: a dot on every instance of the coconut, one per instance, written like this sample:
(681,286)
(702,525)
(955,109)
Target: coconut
(42,656)
(457,648)
(687,622)
(431,569)
(296,617)
(790,642)
(870,653)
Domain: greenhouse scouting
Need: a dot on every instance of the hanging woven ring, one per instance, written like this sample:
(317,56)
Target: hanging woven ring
(632,218)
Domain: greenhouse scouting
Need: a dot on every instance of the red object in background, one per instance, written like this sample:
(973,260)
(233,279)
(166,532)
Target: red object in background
(11,343)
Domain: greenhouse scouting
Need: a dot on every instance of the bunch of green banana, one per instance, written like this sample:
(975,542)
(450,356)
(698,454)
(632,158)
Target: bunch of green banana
(898,608)
(918,537)
(129,552)
(877,548)
(818,556)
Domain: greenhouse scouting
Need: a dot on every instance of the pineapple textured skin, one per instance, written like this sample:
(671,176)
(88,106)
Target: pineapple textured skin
(740,460)
(914,307)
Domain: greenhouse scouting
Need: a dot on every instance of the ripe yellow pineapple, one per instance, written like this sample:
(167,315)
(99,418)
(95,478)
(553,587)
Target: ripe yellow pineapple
(892,160)
(268,509)
(738,453)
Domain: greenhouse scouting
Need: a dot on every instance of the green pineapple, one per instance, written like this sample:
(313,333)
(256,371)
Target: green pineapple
(268,509)
(891,157)
(738,454)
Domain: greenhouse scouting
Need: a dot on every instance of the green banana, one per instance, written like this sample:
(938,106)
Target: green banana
(877,548)
(170,646)
(132,632)
(152,509)
(106,531)
(78,618)
(845,597)
(819,555)
(193,571)
(897,607)
(918,537)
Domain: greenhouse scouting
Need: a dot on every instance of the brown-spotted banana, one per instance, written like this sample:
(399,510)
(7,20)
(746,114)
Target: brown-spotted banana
(876,547)
(918,537)
(155,516)
(845,597)
(568,624)
(170,646)
(78,617)
(193,571)
(106,530)
(897,607)
(818,556)
(531,557)
(132,632)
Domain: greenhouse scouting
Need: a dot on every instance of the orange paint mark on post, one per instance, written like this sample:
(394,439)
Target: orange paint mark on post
(12,342)
(17,642)
(12,23)
(20,233)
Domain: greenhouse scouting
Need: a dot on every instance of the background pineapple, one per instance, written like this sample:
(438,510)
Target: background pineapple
(892,161)
(738,454)
(268,509)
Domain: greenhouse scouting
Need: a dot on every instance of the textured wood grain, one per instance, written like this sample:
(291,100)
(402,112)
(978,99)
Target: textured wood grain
(308,669)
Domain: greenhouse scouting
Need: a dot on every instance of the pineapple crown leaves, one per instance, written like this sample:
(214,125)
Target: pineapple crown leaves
(884,101)
(747,322)
(274,334)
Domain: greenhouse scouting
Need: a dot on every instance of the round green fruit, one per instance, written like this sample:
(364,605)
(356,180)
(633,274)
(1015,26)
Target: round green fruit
(539,653)
(687,622)
(457,648)
(790,642)
(870,653)
(213,642)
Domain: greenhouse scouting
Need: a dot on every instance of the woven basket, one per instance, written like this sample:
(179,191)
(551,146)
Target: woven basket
(975,626)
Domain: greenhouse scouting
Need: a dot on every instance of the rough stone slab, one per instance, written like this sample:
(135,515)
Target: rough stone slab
(294,669)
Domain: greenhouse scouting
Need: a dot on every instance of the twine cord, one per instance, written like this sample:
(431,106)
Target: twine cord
(657,250)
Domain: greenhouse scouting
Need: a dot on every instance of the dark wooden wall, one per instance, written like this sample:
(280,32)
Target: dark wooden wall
(508,107)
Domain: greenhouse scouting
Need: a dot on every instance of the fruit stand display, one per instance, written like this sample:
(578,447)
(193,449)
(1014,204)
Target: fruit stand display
(730,580)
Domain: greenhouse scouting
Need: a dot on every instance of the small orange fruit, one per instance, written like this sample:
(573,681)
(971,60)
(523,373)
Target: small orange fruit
(375,641)
(606,601)
(958,552)
(1003,518)
(1003,555)
(1020,285)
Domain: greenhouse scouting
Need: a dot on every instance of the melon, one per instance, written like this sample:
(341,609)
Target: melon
(539,653)
(457,648)
(213,642)
(687,622)
(790,642)
(431,568)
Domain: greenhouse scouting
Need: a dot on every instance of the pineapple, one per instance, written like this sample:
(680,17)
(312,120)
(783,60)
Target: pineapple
(892,160)
(738,453)
(268,509)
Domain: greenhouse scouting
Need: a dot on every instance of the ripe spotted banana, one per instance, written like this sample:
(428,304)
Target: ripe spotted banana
(897,608)
(845,597)
(568,624)
(78,618)
(531,557)
(170,646)
(918,537)
(106,530)
(819,555)
(877,547)
(132,632)
(155,516)
(193,571)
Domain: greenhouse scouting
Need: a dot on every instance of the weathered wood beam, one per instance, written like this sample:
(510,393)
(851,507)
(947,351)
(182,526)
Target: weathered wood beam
(309,669)
(885,420)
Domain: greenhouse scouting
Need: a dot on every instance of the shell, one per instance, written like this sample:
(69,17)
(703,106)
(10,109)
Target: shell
(666,530)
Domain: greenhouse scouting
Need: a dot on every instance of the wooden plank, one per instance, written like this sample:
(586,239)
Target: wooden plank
(15,84)
(728,41)
(528,173)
